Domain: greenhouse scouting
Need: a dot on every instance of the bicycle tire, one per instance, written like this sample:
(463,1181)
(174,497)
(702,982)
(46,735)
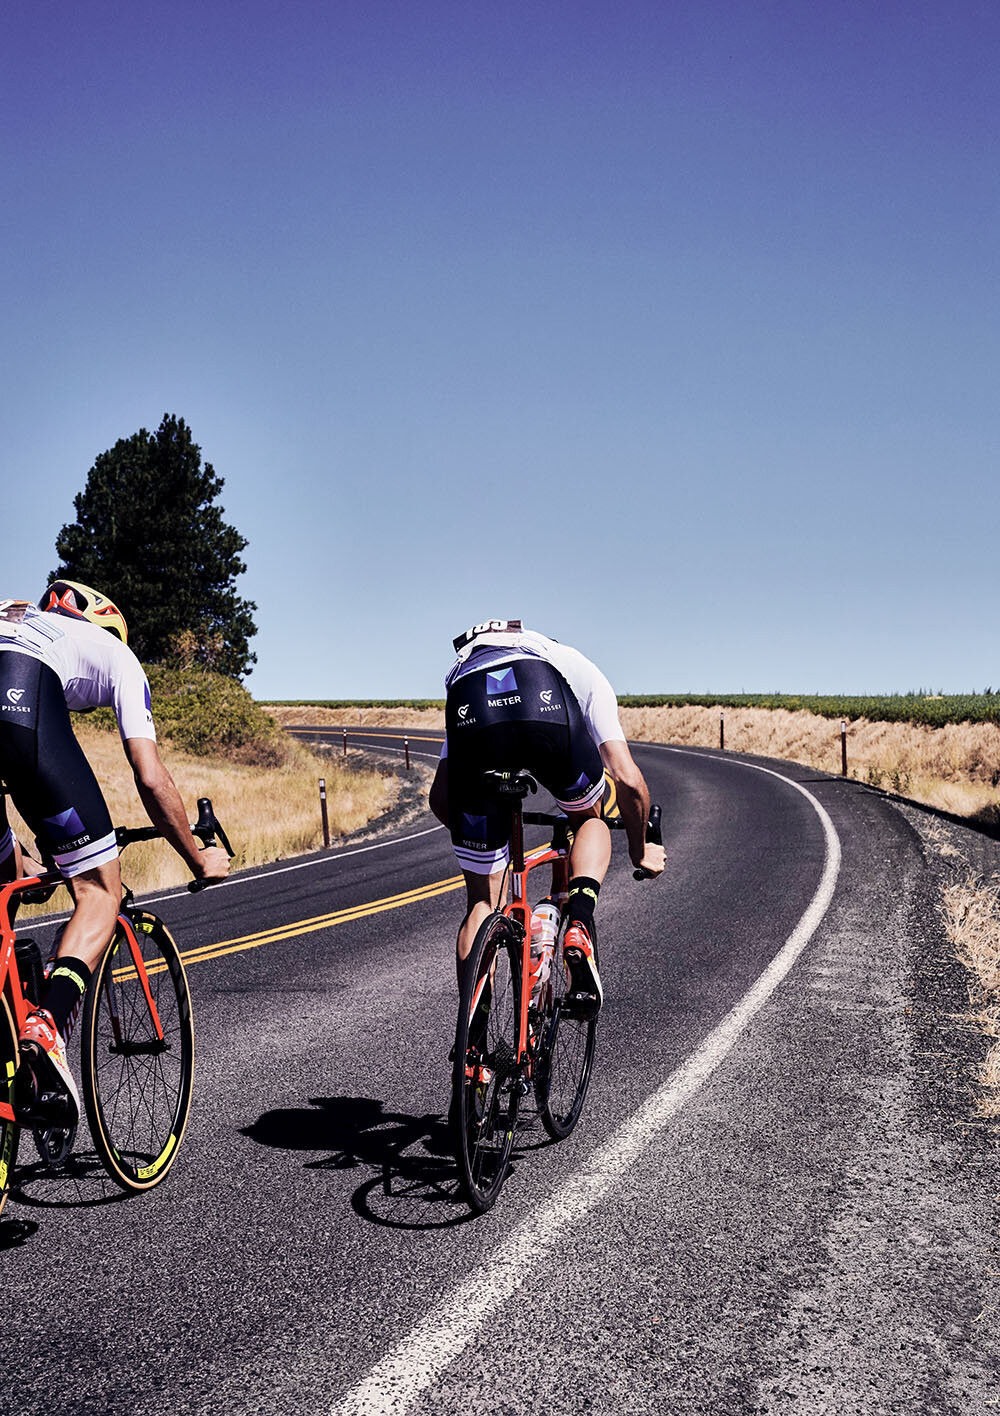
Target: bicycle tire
(566,1054)
(136,1087)
(9,1130)
(486,1077)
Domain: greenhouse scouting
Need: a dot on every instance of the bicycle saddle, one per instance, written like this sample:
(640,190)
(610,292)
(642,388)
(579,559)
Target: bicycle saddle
(510,784)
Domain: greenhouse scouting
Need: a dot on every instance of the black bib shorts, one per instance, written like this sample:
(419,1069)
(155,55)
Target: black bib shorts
(45,770)
(515,715)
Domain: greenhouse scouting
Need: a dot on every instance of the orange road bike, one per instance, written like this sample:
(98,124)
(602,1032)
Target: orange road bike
(136,1042)
(517,1031)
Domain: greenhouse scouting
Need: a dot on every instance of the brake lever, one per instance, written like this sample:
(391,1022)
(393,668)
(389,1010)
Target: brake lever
(206,828)
(654,835)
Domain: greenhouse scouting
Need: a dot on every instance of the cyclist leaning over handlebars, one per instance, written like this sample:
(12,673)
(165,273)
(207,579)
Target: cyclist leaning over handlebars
(55,657)
(516,699)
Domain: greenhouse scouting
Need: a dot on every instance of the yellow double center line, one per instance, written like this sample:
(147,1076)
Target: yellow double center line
(301,926)
(309,926)
(324,921)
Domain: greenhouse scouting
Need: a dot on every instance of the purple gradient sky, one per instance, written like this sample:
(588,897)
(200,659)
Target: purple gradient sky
(671,329)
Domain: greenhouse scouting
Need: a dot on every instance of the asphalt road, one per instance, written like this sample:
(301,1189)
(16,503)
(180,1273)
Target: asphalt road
(761,1210)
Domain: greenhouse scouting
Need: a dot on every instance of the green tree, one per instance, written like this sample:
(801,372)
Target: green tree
(147,534)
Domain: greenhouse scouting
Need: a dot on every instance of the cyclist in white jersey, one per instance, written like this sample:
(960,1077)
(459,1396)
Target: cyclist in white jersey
(55,657)
(517,699)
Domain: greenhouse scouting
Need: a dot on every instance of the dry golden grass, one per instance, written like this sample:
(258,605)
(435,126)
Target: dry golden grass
(972,920)
(268,812)
(955,768)
(358,717)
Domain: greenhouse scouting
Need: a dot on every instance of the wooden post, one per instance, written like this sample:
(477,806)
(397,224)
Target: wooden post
(322,811)
(345,742)
(843,748)
(406,748)
(722,732)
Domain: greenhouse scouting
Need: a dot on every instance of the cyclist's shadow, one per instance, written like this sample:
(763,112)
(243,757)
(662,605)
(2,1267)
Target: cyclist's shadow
(414,1187)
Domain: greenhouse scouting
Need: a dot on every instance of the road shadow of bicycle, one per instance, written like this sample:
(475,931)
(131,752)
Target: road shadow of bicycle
(415,1185)
(80,1182)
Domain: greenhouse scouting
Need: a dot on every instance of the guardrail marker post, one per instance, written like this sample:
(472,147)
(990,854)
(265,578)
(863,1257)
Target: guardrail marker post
(345,742)
(722,732)
(843,748)
(406,749)
(322,811)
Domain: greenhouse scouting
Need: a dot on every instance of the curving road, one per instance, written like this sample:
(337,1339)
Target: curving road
(760,1211)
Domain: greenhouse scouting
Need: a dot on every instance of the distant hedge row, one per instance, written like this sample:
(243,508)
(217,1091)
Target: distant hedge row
(897,708)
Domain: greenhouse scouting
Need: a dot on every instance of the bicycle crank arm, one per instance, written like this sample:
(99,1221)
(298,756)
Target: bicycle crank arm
(51,1109)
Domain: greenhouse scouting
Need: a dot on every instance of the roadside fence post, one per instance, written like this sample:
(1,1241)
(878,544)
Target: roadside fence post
(722,732)
(345,742)
(322,811)
(843,748)
(406,749)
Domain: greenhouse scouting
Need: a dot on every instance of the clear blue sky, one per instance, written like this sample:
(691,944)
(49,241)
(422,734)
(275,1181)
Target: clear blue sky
(672,329)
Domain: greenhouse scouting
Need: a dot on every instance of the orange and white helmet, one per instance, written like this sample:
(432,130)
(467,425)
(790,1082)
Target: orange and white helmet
(66,597)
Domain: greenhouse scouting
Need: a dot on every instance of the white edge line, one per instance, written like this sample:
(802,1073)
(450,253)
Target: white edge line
(437,1340)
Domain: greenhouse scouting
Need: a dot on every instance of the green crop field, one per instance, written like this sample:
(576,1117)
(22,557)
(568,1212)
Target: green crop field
(896,708)
(935,711)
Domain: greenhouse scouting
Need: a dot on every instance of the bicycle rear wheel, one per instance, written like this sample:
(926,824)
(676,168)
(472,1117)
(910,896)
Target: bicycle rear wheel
(9,1130)
(137,1052)
(485,1081)
(566,1055)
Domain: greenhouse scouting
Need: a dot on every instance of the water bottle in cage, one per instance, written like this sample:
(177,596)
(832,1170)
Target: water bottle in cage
(544,928)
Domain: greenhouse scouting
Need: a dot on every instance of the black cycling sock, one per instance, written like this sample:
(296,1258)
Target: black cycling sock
(583,893)
(64,990)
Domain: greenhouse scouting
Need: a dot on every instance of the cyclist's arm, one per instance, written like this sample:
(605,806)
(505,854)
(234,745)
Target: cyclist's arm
(165,809)
(633,803)
(438,799)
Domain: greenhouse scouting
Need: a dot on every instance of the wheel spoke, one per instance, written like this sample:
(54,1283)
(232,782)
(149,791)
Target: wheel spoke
(487,1077)
(138,1098)
(566,1058)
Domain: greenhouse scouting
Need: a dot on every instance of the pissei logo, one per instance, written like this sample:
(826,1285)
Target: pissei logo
(14,704)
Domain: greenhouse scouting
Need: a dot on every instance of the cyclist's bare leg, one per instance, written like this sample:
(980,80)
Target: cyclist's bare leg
(482,895)
(591,852)
(96,895)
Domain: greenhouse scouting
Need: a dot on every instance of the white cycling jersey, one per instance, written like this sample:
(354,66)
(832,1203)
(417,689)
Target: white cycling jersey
(95,668)
(590,688)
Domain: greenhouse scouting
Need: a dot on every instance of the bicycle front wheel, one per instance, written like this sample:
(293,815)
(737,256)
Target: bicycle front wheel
(485,1081)
(137,1052)
(9,1130)
(566,1055)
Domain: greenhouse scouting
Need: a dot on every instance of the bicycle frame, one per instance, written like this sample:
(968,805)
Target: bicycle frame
(10,978)
(518,907)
